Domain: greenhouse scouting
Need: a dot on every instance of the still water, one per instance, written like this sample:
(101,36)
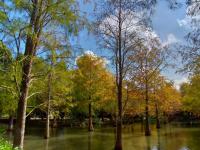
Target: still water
(168,138)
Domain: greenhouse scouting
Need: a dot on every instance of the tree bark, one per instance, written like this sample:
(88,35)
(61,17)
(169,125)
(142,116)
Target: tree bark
(90,124)
(102,118)
(142,123)
(21,111)
(147,127)
(157,118)
(30,50)
(10,123)
(55,124)
(118,144)
(119,79)
(165,117)
(47,134)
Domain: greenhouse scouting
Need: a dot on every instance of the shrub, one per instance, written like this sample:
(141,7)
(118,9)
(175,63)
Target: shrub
(5,145)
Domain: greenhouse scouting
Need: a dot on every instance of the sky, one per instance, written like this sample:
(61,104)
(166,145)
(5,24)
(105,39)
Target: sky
(169,25)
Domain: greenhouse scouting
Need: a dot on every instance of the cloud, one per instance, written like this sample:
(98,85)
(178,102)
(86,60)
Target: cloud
(178,82)
(93,55)
(189,22)
(89,52)
(132,25)
(171,39)
(184,22)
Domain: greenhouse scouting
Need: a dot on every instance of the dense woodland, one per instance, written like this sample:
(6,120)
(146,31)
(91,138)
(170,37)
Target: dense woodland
(46,80)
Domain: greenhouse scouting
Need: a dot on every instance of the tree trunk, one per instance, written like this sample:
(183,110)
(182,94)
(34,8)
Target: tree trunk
(48,108)
(118,144)
(119,79)
(10,124)
(102,118)
(90,124)
(165,118)
(142,123)
(157,118)
(55,124)
(21,110)
(147,127)
(47,135)
(30,50)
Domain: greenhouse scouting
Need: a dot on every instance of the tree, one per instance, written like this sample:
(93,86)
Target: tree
(51,90)
(190,95)
(90,81)
(10,78)
(42,17)
(117,26)
(148,59)
(190,50)
(167,99)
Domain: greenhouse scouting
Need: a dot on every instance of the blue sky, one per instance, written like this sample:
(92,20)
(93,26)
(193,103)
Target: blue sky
(167,26)
(166,23)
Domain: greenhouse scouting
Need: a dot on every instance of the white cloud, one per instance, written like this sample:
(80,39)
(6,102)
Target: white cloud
(184,22)
(178,82)
(189,22)
(93,55)
(89,52)
(132,24)
(171,39)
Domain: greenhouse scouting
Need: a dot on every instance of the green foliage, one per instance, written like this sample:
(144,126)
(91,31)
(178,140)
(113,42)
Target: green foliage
(92,83)
(61,100)
(9,78)
(4,145)
(191,94)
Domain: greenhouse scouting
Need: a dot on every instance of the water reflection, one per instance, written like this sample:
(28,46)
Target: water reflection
(159,142)
(47,144)
(90,140)
(148,141)
(167,138)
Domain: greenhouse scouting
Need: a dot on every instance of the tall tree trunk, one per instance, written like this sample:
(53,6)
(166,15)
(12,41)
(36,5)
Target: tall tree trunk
(35,28)
(10,123)
(21,111)
(142,123)
(30,50)
(157,118)
(47,134)
(119,79)
(90,124)
(147,127)
(118,145)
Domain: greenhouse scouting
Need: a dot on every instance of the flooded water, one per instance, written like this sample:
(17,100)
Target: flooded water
(167,138)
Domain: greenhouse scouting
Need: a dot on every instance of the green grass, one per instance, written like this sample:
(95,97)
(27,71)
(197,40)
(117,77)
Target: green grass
(4,145)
